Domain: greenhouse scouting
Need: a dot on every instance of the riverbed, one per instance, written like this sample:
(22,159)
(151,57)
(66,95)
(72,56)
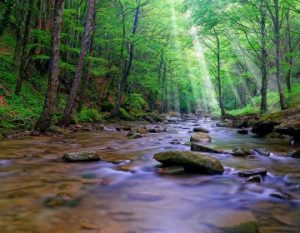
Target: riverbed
(124,194)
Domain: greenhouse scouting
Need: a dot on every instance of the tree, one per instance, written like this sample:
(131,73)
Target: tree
(128,63)
(274,11)
(49,108)
(84,47)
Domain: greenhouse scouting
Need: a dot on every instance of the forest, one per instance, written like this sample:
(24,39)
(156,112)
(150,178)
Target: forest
(197,96)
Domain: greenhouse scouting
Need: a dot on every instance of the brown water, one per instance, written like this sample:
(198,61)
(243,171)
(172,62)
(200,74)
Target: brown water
(125,195)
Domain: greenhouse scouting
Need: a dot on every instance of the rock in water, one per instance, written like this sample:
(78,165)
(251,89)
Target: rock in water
(200,137)
(291,128)
(262,151)
(240,152)
(200,129)
(201,148)
(85,156)
(253,172)
(254,179)
(263,128)
(296,154)
(243,131)
(134,135)
(195,163)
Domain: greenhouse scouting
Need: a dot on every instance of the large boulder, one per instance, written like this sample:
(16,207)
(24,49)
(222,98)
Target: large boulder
(200,137)
(263,128)
(195,163)
(84,156)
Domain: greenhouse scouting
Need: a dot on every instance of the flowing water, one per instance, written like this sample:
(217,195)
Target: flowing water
(126,195)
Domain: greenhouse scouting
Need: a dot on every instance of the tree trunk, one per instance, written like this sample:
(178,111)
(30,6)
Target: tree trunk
(23,54)
(290,50)
(49,108)
(221,102)
(264,72)
(280,86)
(128,65)
(84,47)
(89,73)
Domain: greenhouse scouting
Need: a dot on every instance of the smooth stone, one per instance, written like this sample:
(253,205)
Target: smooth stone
(200,129)
(201,148)
(85,156)
(241,152)
(252,172)
(195,163)
(200,137)
(157,130)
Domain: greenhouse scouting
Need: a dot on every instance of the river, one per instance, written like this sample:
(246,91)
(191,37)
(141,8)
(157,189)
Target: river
(124,194)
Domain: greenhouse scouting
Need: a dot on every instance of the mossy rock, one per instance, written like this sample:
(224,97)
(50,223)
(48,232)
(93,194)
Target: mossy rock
(84,156)
(250,227)
(200,137)
(194,163)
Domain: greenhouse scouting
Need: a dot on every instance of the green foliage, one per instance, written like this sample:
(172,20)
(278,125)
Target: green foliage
(89,115)
(293,99)
(124,115)
(135,101)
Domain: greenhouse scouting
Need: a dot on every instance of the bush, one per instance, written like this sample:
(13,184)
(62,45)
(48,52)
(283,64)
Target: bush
(124,115)
(135,101)
(89,115)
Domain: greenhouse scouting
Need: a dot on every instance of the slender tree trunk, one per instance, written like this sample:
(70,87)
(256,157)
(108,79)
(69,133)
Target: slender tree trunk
(49,108)
(128,65)
(290,50)
(163,91)
(5,18)
(280,86)
(89,73)
(23,55)
(221,101)
(264,72)
(84,47)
